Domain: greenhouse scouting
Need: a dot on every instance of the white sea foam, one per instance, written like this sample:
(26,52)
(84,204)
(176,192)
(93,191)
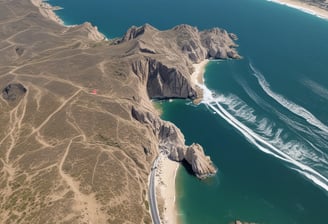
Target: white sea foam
(270,109)
(291,152)
(316,88)
(303,132)
(239,107)
(289,105)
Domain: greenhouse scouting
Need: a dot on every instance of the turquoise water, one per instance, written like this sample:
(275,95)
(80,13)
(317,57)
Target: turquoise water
(265,121)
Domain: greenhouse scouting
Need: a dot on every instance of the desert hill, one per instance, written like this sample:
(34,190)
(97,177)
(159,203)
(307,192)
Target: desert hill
(78,130)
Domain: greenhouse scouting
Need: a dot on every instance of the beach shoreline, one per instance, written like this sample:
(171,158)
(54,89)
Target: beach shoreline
(167,169)
(305,7)
(47,11)
(165,182)
(197,77)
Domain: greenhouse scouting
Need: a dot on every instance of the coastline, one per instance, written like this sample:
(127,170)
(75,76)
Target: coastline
(47,11)
(167,169)
(165,183)
(307,8)
(197,77)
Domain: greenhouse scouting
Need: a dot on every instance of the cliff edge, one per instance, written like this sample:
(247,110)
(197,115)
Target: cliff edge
(165,58)
(78,130)
(162,60)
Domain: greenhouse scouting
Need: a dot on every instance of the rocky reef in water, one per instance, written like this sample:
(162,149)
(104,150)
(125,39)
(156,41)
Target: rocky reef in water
(79,132)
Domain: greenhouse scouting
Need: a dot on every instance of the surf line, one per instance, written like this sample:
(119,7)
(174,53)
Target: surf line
(289,105)
(311,174)
(298,128)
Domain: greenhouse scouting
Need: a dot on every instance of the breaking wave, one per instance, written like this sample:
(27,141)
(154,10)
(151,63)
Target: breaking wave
(267,135)
(289,105)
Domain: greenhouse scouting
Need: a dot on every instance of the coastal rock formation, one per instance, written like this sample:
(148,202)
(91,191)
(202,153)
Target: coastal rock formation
(168,82)
(172,143)
(197,45)
(219,44)
(166,65)
(78,130)
(200,163)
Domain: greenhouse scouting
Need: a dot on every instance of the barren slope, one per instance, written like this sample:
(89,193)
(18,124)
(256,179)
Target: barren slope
(78,132)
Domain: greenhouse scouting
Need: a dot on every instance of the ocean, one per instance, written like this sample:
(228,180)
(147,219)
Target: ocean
(263,120)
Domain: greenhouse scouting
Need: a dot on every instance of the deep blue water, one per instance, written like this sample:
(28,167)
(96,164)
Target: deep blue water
(266,126)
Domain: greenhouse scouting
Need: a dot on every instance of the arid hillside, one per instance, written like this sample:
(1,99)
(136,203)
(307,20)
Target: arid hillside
(78,131)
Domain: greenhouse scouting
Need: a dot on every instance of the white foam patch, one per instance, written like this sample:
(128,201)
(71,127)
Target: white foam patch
(291,153)
(289,105)
(239,107)
(304,133)
(316,88)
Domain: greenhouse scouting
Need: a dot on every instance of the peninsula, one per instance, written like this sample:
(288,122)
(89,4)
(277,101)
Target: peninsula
(79,132)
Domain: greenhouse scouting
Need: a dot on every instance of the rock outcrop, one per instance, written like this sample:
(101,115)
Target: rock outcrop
(164,66)
(219,44)
(168,82)
(172,143)
(13,91)
(165,69)
(200,163)
(168,56)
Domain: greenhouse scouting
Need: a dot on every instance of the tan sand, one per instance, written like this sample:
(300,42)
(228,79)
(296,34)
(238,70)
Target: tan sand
(313,10)
(47,10)
(165,180)
(197,77)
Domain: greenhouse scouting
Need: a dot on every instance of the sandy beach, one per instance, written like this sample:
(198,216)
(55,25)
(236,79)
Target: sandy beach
(197,76)
(310,9)
(167,169)
(165,184)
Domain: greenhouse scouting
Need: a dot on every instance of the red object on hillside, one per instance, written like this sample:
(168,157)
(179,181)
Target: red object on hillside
(94,91)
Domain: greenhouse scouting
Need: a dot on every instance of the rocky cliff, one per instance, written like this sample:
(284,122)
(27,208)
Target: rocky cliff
(78,131)
(165,68)
(172,143)
(167,56)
